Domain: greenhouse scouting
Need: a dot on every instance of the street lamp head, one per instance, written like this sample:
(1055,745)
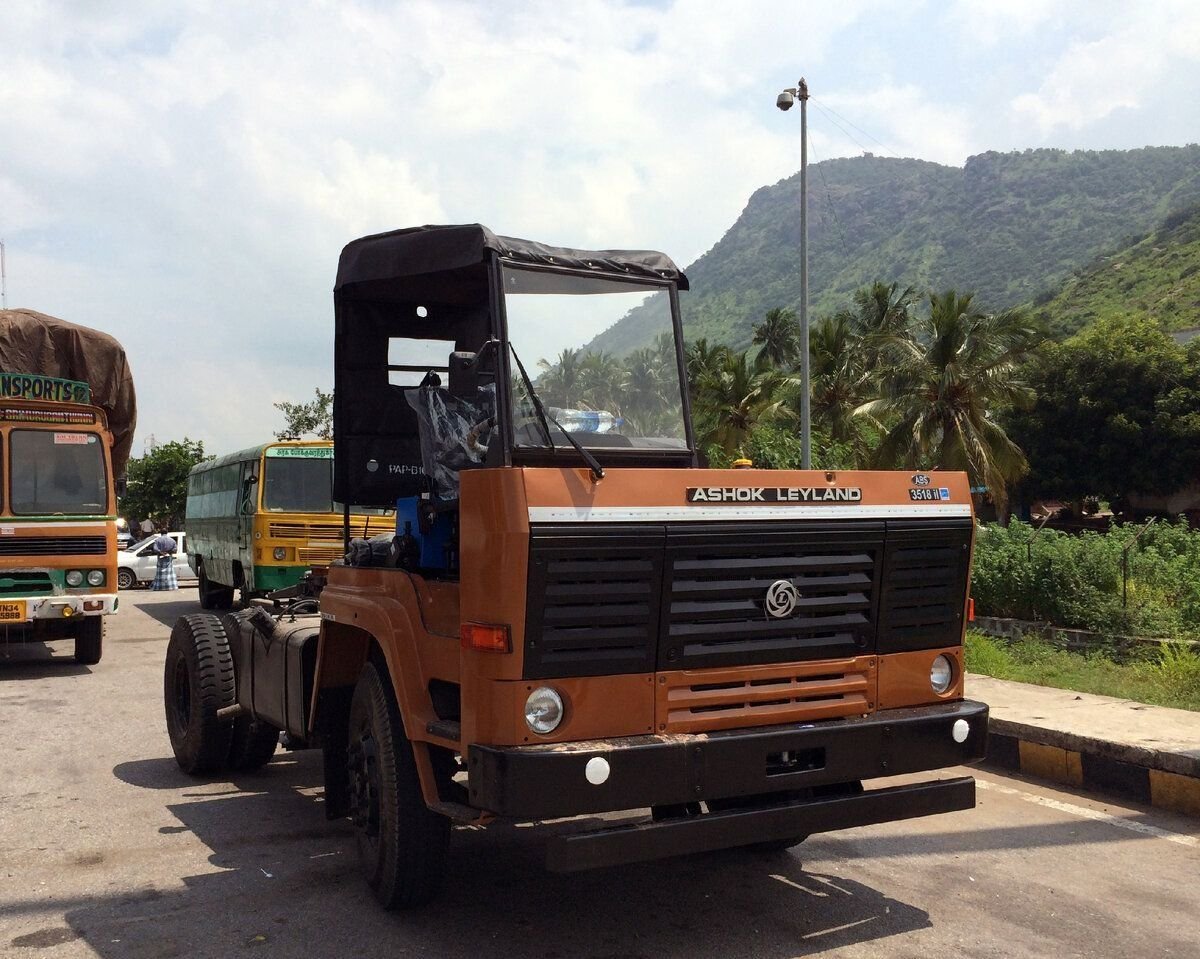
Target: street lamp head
(785,100)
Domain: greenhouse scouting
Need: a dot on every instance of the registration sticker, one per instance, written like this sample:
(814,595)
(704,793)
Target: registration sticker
(12,611)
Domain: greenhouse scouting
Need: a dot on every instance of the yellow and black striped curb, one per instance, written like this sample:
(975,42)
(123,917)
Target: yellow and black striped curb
(1169,780)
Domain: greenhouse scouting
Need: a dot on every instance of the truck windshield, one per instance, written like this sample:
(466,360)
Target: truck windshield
(610,397)
(57,472)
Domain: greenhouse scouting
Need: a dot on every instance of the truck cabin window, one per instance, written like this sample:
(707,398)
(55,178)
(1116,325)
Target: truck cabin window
(57,473)
(606,395)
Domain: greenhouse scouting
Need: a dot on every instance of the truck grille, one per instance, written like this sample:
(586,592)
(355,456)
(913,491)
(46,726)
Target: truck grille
(630,598)
(53,546)
(925,590)
(718,582)
(597,602)
(25,583)
(734,698)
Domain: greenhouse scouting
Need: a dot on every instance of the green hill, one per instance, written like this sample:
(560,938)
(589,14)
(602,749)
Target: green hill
(1158,276)
(1006,225)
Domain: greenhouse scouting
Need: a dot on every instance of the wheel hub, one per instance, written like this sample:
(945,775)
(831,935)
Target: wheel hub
(363,761)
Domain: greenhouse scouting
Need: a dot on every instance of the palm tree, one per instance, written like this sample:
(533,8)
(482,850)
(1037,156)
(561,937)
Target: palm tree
(702,359)
(840,380)
(881,317)
(645,382)
(601,382)
(947,373)
(779,339)
(735,396)
(558,384)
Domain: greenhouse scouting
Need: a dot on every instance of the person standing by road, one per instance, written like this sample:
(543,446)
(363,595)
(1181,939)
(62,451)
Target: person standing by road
(164,548)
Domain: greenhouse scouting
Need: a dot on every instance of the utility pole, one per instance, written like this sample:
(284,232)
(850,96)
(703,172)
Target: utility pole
(784,101)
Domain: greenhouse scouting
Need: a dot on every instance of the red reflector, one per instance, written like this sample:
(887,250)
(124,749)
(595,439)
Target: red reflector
(490,639)
(971,609)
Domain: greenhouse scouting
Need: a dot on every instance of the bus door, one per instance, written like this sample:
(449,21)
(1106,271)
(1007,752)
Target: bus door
(247,507)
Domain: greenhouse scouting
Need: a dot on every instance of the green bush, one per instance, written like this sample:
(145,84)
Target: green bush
(1075,581)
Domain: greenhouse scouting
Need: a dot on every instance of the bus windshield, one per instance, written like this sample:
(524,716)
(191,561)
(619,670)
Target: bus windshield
(57,472)
(298,485)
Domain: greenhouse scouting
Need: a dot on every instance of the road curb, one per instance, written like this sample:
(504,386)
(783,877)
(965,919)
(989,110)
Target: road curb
(1169,780)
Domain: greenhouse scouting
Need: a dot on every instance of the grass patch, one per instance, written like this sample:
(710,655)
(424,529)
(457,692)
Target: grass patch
(1171,677)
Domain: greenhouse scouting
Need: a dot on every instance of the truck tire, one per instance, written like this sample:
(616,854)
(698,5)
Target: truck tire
(89,640)
(197,681)
(212,595)
(401,842)
(126,579)
(252,744)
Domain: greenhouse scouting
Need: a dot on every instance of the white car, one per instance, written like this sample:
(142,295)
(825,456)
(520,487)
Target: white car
(136,565)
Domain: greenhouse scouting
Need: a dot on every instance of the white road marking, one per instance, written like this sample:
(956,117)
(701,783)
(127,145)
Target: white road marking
(1094,814)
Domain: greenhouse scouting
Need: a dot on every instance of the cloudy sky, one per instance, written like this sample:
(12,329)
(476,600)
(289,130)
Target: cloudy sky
(184,175)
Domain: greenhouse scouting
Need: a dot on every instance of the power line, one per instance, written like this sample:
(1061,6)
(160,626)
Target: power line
(832,209)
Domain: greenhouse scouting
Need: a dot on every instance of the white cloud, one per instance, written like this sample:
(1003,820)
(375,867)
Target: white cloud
(185,174)
(1094,78)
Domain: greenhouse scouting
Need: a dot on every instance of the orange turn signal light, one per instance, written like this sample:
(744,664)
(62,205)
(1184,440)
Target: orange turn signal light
(970,609)
(488,639)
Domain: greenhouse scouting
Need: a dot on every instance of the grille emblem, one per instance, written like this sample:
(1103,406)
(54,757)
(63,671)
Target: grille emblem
(781,599)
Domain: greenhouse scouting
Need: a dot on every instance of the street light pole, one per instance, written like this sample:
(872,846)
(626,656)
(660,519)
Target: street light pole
(784,101)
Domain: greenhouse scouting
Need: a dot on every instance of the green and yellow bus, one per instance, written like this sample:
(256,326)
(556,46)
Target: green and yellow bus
(58,523)
(257,519)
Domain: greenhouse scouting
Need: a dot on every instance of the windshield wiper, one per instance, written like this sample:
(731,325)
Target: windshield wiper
(544,415)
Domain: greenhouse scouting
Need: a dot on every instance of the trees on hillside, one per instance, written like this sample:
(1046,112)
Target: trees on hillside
(1117,411)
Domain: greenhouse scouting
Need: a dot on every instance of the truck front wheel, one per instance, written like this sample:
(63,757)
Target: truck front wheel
(89,640)
(401,842)
(197,682)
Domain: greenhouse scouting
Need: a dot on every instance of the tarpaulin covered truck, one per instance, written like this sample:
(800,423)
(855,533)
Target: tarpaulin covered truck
(67,415)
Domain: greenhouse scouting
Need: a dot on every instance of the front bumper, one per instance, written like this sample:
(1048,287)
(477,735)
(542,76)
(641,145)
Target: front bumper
(84,604)
(547,781)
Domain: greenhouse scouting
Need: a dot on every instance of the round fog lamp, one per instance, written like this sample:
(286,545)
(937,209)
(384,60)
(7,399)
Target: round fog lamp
(280,553)
(941,674)
(96,577)
(74,577)
(543,710)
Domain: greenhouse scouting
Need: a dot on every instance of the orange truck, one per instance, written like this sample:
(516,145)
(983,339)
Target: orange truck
(67,413)
(573,616)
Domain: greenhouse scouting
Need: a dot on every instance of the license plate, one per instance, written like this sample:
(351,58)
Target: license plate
(12,611)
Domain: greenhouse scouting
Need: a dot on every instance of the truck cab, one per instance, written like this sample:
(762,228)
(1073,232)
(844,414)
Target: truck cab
(574,616)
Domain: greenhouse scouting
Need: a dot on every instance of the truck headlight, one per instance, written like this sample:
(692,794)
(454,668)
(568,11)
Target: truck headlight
(95,577)
(941,674)
(543,710)
(74,577)
(280,553)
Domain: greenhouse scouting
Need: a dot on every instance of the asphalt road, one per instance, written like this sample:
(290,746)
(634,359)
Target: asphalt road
(106,849)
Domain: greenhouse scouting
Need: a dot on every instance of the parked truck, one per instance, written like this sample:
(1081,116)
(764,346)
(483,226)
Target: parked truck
(573,615)
(67,414)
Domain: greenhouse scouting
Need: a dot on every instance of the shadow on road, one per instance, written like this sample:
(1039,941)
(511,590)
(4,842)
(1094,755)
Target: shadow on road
(35,660)
(289,881)
(281,877)
(167,613)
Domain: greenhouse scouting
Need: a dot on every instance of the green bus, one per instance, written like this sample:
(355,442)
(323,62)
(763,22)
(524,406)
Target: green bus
(259,518)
